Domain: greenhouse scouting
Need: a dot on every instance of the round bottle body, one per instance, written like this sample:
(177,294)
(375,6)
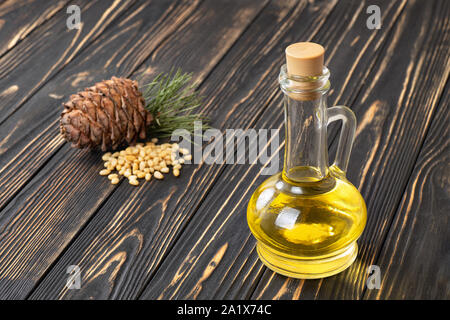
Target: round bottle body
(307,229)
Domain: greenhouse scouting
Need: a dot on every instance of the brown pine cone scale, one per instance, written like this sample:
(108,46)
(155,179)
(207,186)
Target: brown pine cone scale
(106,115)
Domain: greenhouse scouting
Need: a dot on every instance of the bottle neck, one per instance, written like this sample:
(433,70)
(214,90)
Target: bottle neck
(305,107)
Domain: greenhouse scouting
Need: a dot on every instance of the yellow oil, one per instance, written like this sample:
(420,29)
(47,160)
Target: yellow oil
(307,228)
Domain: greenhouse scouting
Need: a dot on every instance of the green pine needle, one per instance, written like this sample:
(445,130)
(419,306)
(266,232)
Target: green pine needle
(171,99)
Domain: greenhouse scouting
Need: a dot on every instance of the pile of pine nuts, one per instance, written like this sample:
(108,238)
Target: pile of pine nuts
(143,161)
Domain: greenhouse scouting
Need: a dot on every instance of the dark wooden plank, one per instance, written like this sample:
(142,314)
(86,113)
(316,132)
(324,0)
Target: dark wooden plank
(394,110)
(19,18)
(143,231)
(45,52)
(33,138)
(415,258)
(226,227)
(73,174)
(219,228)
(32,133)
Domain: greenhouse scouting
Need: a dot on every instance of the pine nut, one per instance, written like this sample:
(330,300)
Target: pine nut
(141,175)
(165,170)
(133,182)
(105,172)
(106,156)
(143,160)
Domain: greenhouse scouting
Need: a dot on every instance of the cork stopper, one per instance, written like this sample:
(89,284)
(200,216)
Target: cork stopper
(304,59)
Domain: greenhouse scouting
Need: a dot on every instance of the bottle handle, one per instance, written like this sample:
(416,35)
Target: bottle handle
(347,135)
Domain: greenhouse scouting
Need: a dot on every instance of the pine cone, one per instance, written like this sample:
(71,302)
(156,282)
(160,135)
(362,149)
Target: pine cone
(107,114)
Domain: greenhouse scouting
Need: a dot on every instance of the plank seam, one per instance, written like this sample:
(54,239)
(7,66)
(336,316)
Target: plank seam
(79,232)
(163,40)
(397,206)
(34,30)
(69,244)
(93,40)
(405,189)
(361,87)
(4,205)
(222,169)
(30,177)
(234,43)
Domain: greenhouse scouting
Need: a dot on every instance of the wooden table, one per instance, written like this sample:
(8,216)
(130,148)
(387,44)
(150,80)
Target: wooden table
(188,237)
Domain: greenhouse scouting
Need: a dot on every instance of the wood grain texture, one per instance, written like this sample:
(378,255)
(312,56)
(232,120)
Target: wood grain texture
(32,133)
(224,222)
(19,18)
(33,139)
(233,21)
(45,52)
(415,258)
(394,110)
(187,237)
(161,213)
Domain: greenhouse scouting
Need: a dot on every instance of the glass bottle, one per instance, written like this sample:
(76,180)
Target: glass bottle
(307,218)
